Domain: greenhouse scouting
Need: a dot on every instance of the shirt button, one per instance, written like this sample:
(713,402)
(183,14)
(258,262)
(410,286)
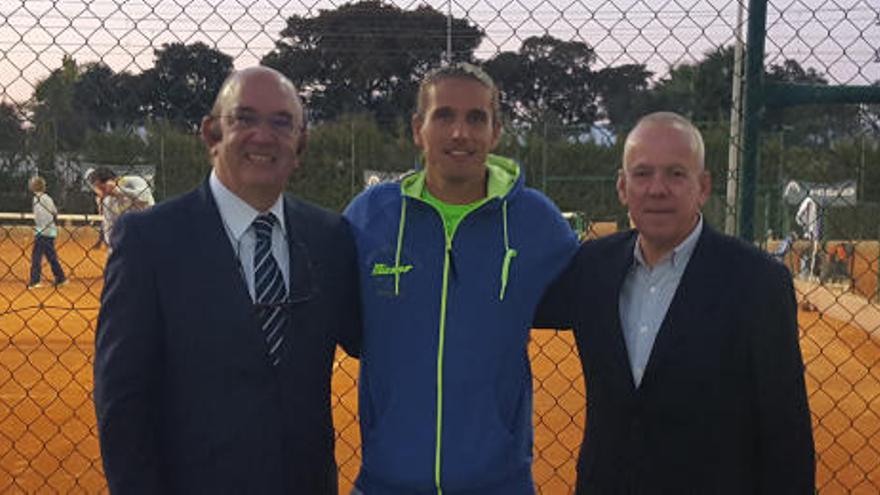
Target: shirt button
(653,289)
(643,329)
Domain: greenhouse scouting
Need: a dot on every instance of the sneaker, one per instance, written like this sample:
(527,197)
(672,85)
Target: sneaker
(36,285)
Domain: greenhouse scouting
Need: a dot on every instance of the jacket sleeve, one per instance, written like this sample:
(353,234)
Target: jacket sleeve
(556,309)
(561,245)
(350,330)
(128,367)
(785,439)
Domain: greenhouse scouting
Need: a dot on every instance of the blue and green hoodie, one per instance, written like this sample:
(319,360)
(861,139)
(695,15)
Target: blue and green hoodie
(445,383)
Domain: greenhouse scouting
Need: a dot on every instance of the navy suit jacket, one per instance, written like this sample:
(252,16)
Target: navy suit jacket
(186,399)
(722,406)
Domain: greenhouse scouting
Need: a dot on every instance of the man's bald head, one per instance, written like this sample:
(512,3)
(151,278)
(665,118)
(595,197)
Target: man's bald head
(231,87)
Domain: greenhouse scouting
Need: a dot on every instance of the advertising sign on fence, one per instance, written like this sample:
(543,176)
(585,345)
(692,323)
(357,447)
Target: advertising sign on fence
(841,193)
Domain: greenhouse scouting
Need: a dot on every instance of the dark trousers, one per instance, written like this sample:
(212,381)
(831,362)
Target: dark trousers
(45,246)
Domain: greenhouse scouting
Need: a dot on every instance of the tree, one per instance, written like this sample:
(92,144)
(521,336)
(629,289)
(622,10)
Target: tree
(59,127)
(367,56)
(118,147)
(13,196)
(623,93)
(808,125)
(183,83)
(332,169)
(548,78)
(12,136)
(701,91)
(180,157)
(106,99)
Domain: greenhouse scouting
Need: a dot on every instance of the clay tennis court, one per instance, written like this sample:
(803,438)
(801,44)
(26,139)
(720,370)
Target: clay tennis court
(48,442)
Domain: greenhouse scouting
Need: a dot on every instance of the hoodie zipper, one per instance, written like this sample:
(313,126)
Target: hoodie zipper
(444,292)
(440,348)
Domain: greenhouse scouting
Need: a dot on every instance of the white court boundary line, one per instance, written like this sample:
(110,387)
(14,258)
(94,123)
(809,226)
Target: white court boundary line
(65,217)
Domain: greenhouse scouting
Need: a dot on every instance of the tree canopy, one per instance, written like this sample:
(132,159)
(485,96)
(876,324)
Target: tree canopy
(367,56)
(548,76)
(184,81)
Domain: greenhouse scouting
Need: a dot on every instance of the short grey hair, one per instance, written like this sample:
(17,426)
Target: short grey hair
(674,120)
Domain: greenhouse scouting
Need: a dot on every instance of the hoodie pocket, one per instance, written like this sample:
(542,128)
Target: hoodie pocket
(366,408)
(510,416)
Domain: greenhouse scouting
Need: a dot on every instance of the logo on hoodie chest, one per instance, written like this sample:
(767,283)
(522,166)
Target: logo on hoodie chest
(381,269)
(386,273)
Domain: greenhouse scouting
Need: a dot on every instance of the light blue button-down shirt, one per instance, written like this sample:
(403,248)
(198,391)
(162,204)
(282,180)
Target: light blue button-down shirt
(238,217)
(645,298)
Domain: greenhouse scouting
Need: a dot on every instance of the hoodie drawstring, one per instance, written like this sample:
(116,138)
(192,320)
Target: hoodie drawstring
(397,268)
(509,254)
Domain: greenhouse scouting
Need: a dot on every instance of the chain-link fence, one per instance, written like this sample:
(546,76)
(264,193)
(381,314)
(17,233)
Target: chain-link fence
(123,84)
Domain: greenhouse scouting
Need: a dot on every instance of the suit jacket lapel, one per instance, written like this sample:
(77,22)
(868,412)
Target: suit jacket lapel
(302,287)
(691,302)
(229,290)
(619,268)
(302,279)
(218,252)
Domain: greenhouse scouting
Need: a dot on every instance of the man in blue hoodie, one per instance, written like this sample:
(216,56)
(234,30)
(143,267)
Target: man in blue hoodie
(453,261)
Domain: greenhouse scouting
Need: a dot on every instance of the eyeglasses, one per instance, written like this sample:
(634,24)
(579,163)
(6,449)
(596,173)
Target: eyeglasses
(280,124)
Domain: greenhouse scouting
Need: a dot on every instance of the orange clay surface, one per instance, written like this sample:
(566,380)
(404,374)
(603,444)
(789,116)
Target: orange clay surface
(48,441)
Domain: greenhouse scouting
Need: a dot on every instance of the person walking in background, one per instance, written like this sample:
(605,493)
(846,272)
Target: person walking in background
(809,217)
(453,260)
(45,232)
(220,316)
(99,209)
(688,340)
(118,195)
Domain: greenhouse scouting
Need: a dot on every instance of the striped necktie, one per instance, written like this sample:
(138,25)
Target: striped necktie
(269,288)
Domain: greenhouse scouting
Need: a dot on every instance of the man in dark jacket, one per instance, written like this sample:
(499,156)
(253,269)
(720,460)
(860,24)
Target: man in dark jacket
(220,316)
(688,340)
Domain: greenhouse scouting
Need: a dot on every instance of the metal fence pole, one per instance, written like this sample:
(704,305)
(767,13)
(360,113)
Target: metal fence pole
(754,108)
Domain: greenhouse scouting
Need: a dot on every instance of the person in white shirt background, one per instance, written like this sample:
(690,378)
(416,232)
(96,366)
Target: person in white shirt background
(45,230)
(809,218)
(118,195)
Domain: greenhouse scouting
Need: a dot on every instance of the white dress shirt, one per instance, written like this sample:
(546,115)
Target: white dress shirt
(237,217)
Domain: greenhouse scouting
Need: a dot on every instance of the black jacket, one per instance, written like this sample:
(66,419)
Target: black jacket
(186,399)
(722,406)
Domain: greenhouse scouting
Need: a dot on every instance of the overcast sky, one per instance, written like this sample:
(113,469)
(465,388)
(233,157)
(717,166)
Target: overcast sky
(840,39)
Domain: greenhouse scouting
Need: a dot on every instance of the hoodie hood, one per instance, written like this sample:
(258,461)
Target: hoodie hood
(504,179)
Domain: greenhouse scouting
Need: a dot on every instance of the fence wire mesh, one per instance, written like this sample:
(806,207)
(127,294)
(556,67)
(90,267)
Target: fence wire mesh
(123,85)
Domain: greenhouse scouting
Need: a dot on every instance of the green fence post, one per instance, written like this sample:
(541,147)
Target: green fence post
(753,108)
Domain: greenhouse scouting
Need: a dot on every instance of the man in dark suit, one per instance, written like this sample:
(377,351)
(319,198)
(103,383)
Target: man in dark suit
(220,316)
(688,340)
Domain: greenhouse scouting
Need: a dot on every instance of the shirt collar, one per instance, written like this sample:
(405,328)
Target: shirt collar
(680,254)
(237,215)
